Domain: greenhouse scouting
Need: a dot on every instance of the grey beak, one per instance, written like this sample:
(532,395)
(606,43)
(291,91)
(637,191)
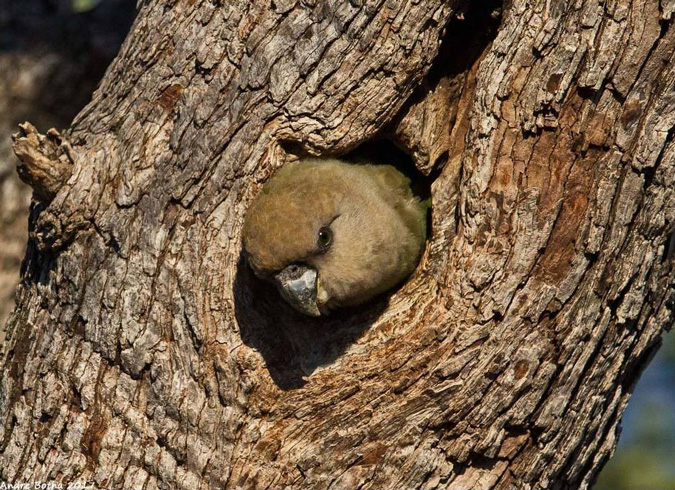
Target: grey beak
(297,285)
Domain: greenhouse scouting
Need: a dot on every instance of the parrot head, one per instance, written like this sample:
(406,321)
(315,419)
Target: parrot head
(329,233)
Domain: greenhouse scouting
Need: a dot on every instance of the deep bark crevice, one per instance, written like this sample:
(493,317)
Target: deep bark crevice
(473,27)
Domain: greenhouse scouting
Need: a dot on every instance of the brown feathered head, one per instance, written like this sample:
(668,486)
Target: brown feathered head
(330,233)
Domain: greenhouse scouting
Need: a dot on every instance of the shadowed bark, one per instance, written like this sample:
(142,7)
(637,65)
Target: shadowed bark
(143,353)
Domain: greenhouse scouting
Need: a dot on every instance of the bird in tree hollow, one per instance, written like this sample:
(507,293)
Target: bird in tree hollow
(330,233)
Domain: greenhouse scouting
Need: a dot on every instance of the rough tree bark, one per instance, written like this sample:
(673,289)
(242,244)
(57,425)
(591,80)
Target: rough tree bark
(51,59)
(144,354)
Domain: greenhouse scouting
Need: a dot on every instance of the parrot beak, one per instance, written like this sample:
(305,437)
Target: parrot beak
(297,285)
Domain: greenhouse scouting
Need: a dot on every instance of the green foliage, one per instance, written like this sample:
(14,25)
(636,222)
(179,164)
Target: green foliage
(638,467)
(80,6)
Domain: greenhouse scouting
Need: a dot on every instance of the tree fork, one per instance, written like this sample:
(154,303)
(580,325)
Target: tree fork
(142,352)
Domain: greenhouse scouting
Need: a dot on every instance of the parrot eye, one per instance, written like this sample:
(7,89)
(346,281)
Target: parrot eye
(324,238)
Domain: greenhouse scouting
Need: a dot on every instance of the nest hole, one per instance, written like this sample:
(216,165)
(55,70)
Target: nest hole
(384,152)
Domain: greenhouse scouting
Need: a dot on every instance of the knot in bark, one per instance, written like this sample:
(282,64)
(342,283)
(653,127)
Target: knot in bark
(45,162)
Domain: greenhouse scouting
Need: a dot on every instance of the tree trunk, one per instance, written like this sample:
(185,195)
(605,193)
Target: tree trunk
(143,353)
(51,59)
